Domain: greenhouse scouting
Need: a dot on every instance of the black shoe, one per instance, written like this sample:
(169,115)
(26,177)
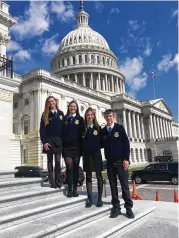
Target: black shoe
(75,193)
(69,194)
(89,203)
(99,203)
(59,181)
(115,212)
(129,213)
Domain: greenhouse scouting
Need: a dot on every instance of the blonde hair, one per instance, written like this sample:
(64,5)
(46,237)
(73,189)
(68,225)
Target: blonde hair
(47,109)
(95,122)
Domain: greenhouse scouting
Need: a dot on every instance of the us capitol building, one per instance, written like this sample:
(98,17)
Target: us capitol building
(86,70)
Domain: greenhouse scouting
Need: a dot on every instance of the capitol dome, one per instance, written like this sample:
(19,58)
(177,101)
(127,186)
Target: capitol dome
(83,36)
(84,57)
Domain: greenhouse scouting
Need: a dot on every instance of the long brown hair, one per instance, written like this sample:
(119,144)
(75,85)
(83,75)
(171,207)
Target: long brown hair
(47,109)
(77,108)
(95,122)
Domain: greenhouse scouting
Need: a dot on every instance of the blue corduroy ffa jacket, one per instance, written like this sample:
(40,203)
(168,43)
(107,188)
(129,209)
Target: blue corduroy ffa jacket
(116,144)
(92,140)
(53,128)
(73,129)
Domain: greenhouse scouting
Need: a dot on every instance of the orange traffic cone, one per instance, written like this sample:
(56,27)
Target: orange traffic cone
(135,196)
(175,196)
(157,196)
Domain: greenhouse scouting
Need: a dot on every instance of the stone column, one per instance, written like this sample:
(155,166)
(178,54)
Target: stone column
(124,119)
(84,82)
(63,104)
(130,126)
(158,127)
(170,126)
(112,80)
(166,125)
(103,82)
(106,82)
(138,125)
(68,77)
(161,127)
(155,126)
(91,80)
(32,111)
(117,85)
(142,127)
(134,125)
(151,127)
(76,79)
(98,87)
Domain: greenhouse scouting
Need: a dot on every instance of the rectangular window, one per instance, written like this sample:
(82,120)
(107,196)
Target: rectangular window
(15,128)
(15,105)
(26,101)
(26,127)
(86,59)
(25,154)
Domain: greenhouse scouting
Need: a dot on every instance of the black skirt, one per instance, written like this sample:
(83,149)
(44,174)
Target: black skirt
(92,161)
(71,149)
(55,146)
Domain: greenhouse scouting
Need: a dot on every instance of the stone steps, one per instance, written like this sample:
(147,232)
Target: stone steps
(7,184)
(110,228)
(31,209)
(9,198)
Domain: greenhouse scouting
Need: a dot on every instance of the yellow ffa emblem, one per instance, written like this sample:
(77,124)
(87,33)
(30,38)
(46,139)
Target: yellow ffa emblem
(76,122)
(95,132)
(61,117)
(116,134)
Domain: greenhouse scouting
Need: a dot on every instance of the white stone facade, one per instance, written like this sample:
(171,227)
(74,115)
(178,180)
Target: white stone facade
(85,69)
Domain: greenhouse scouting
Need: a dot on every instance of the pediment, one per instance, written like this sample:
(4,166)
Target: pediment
(162,106)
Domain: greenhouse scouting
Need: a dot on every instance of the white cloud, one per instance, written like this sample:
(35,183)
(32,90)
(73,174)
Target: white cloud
(134,25)
(50,47)
(35,21)
(64,10)
(123,49)
(98,6)
(13,46)
(167,62)
(135,78)
(175,13)
(114,10)
(22,55)
(148,50)
(159,44)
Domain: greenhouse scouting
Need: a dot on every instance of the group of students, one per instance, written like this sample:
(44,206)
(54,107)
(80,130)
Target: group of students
(71,136)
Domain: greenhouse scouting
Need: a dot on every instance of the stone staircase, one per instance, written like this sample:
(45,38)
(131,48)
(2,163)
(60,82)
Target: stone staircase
(31,209)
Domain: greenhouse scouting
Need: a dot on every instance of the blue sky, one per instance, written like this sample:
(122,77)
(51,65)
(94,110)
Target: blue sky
(143,35)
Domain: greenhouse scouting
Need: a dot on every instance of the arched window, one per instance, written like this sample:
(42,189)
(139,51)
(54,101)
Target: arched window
(86,59)
(110,86)
(80,59)
(98,59)
(145,155)
(92,59)
(68,61)
(63,62)
(74,60)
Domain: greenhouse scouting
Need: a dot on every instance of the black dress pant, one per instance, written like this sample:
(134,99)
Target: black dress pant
(114,171)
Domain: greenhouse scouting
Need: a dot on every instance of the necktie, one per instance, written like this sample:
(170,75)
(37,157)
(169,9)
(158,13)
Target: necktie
(109,130)
(55,113)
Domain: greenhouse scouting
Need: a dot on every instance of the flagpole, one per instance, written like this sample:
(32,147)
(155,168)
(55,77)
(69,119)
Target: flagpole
(153,88)
(153,76)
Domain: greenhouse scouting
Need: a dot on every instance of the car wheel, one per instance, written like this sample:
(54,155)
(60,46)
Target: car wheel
(174,180)
(138,179)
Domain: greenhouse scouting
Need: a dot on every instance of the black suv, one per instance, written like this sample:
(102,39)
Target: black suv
(31,171)
(80,179)
(163,158)
(157,172)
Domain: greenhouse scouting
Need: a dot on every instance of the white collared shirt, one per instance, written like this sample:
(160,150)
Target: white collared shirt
(53,110)
(72,115)
(90,125)
(110,127)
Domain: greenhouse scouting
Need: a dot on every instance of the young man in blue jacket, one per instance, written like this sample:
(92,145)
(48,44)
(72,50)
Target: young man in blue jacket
(117,151)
